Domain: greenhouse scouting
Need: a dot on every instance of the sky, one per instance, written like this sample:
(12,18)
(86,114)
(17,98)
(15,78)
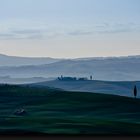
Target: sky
(69,28)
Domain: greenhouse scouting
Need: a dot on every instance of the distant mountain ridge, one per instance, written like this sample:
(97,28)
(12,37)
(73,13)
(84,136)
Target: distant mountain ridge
(109,68)
(6,60)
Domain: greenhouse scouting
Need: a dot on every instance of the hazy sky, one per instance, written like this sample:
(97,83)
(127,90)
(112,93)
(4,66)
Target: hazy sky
(70,28)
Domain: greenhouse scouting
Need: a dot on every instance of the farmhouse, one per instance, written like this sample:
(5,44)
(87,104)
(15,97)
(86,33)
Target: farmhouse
(72,78)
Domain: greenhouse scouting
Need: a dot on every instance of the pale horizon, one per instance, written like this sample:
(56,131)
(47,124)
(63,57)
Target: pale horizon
(71,57)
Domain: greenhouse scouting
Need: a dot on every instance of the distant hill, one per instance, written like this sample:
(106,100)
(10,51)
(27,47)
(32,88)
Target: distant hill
(116,88)
(9,80)
(6,60)
(110,68)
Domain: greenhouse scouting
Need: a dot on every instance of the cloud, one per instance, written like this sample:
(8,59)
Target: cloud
(114,31)
(21,34)
(80,32)
(6,36)
(106,28)
(27,31)
(120,28)
(55,32)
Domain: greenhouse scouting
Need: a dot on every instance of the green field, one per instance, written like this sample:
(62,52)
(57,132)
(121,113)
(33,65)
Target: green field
(52,111)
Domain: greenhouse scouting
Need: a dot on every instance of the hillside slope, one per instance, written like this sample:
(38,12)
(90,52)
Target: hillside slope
(51,111)
(109,87)
(6,60)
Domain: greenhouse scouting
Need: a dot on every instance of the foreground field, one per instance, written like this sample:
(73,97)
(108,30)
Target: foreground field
(51,111)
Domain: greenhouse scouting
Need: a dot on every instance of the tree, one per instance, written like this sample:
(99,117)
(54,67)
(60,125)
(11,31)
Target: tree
(91,77)
(135,91)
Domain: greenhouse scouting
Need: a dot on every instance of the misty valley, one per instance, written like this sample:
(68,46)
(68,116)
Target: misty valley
(52,98)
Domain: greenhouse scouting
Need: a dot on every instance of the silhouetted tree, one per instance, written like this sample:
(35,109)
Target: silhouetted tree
(135,91)
(91,77)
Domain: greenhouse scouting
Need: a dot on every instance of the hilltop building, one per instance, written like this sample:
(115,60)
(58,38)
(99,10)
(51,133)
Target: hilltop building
(73,78)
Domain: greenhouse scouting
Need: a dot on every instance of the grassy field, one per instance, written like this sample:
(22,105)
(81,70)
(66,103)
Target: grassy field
(51,111)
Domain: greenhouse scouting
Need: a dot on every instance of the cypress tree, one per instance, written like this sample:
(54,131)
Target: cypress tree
(135,91)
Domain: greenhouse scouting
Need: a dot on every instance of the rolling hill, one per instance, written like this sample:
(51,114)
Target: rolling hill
(123,88)
(108,69)
(51,111)
(6,60)
(10,80)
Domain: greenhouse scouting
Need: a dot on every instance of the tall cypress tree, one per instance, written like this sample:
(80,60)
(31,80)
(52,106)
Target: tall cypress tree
(135,91)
